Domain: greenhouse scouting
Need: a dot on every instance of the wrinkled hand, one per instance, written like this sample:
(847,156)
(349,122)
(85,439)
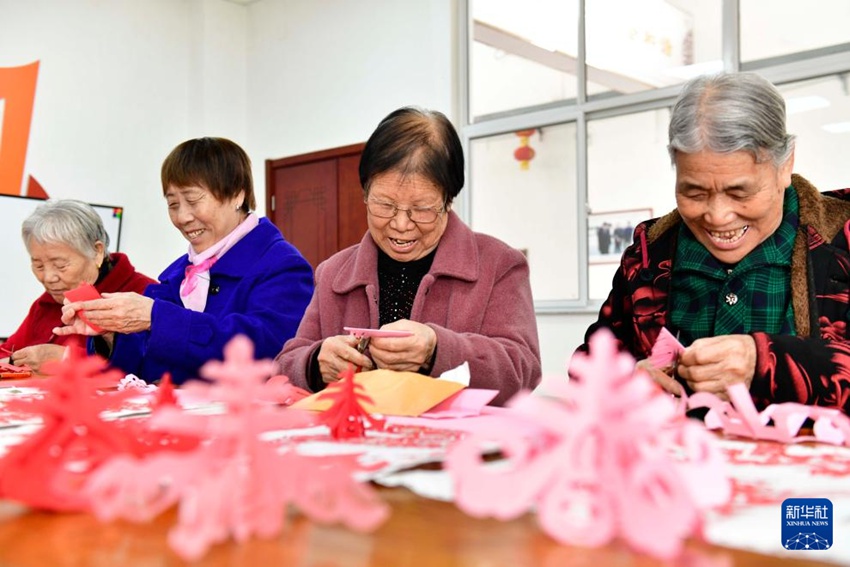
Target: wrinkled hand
(36,355)
(662,376)
(124,312)
(714,363)
(337,353)
(404,353)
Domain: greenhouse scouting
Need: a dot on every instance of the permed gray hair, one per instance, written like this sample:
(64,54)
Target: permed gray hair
(66,222)
(730,112)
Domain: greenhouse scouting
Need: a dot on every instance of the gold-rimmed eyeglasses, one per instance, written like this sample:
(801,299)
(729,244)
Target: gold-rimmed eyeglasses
(419,215)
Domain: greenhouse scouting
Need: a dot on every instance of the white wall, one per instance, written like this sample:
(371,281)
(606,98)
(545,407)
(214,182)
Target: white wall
(323,74)
(121,83)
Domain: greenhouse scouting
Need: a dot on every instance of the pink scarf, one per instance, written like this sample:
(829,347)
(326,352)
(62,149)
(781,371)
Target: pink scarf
(196,285)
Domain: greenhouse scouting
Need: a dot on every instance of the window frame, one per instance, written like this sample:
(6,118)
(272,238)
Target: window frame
(789,68)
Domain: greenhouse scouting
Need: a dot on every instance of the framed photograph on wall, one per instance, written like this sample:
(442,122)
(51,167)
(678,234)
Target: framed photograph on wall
(610,232)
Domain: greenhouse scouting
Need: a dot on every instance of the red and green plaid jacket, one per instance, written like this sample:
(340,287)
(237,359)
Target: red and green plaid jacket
(811,367)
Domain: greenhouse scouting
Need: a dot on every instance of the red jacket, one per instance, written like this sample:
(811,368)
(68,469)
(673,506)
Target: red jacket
(811,367)
(476,297)
(45,313)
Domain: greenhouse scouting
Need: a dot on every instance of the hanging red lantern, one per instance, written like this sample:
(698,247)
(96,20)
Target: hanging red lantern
(524,153)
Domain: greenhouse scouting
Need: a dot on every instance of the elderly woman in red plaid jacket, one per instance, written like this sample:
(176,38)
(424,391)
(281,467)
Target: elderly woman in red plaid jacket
(752,270)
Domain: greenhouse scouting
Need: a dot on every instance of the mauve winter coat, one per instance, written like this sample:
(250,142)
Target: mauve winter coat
(476,297)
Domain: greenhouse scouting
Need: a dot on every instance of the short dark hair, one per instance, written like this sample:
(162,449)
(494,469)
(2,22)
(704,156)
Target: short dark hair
(217,164)
(411,141)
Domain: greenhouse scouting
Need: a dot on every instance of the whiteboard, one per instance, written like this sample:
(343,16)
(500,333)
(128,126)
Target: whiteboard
(18,286)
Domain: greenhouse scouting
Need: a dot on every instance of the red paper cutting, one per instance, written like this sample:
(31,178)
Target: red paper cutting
(48,469)
(347,418)
(165,395)
(14,372)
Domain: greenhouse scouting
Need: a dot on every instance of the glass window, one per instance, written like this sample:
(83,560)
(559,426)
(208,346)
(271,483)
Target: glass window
(770,28)
(521,54)
(637,45)
(531,206)
(629,179)
(819,115)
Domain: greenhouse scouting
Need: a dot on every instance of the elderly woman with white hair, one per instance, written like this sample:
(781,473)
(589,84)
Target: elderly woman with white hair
(67,245)
(751,270)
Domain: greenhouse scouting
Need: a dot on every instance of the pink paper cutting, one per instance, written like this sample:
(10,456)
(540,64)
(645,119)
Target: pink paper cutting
(617,458)
(467,403)
(777,422)
(373,333)
(234,484)
(666,350)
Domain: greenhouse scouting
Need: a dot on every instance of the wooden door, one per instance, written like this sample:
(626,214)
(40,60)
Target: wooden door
(316,200)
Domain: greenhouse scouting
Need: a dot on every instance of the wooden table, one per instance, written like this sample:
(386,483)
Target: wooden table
(420,532)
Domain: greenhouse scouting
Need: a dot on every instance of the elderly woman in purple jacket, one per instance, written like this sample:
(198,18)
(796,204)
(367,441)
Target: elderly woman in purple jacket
(239,276)
(463,296)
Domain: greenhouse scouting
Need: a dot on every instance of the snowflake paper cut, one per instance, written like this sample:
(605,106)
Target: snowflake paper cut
(614,457)
(234,484)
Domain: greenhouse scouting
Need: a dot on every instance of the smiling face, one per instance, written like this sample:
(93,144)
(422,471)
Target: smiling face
(61,268)
(399,237)
(731,203)
(201,218)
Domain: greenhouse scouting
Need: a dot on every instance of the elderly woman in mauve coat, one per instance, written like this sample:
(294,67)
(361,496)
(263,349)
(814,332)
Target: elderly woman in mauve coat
(463,296)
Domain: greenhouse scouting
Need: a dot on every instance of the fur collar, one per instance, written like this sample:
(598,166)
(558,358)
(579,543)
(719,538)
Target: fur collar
(823,214)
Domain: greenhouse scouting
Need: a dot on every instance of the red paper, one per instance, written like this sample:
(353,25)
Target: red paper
(84,292)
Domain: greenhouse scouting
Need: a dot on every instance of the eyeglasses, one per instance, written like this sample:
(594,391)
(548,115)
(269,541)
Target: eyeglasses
(419,215)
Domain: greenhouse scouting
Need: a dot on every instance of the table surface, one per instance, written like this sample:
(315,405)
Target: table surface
(419,532)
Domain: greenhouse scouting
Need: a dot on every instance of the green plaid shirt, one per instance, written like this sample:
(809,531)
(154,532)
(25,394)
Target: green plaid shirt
(708,299)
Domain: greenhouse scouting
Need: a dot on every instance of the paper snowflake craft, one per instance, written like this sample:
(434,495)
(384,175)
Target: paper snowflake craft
(347,418)
(234,484)
(49,468)
(777,422)
(614,457)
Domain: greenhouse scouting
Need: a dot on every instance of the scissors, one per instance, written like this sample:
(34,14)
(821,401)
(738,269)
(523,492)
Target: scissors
(364,336)
(363,344)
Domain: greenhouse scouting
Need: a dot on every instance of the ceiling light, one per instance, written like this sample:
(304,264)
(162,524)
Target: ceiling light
(797,104)
(837,127)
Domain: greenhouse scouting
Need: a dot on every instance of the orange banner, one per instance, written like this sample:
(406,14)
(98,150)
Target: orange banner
(17,89)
